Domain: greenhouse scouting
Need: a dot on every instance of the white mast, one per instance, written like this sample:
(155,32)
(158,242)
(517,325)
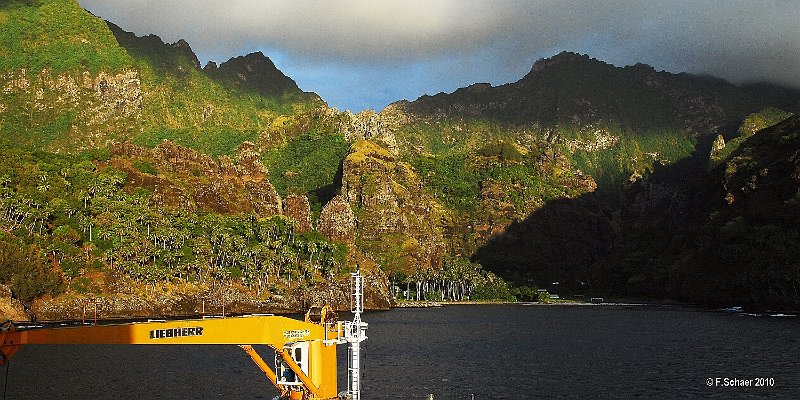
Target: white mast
(355,333)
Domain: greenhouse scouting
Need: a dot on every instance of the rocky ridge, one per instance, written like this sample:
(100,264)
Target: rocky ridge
(86,104)
(193,181)
(254,72)
(575,90)
(395,217)
(369,125)
(297,208)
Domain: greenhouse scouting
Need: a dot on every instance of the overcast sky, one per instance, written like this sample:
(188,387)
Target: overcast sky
(360,54)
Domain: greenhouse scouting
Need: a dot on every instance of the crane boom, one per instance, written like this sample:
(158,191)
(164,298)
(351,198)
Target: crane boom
(269,330)
(305,351)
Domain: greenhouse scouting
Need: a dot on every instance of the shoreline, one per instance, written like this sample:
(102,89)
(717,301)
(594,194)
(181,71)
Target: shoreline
(411,305)
(614,302)
(433,304)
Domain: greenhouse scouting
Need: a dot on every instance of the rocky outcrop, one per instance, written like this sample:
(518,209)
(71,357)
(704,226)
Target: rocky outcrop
(297,208)
(362,126)
(337,221)
(395,217)
(110,95)
(369,125)
(594,139)
(11,308)
(118,95)
(170,157)
(263,197)
(717,147)
(90,106)
(192,180)
(248,161)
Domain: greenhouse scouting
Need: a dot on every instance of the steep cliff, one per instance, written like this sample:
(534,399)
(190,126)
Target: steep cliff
(396,219)
(185,179)
(297,208)
(725,235)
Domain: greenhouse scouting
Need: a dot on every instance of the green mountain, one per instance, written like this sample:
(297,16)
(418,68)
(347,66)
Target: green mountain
(728,235)
(591,119)
(73,82)
(63,82)
(253,73)
(132,174)
(573,90)
(610,122)
(535,173)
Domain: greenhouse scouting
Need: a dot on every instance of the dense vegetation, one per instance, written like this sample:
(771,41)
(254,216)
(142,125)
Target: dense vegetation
(30,41)
(458,178)
(539,181)
(459,279)
(24,268)
(725,235)
(73,222)
(66,216)
(308,165)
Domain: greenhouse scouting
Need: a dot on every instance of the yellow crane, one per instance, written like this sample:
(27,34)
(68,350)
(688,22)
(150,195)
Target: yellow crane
(305,351)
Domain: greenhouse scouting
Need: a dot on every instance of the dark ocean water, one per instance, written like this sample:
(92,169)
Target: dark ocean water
(455,352)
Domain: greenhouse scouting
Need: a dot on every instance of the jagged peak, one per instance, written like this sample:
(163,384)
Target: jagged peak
(565,58)
(254,72)
(210,66)
(184,48)
(254,60)
(153,42)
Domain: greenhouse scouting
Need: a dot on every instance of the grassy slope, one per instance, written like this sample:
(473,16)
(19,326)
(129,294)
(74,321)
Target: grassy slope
(180,103)
(307,165)
(57,35)
(447,148)
(30,42)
